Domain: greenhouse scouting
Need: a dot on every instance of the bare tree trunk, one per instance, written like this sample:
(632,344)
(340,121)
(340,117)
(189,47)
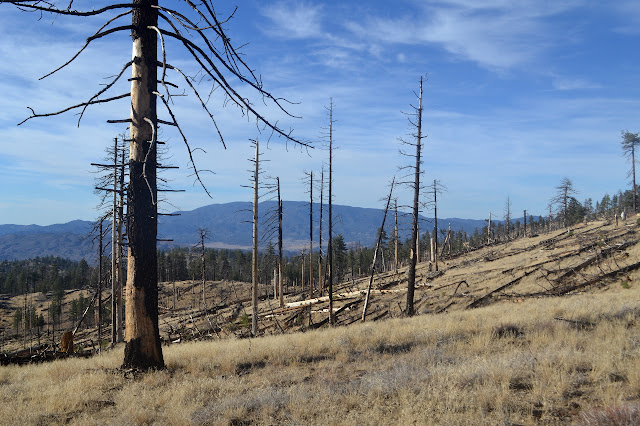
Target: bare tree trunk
(489,230)
(435,224)
(100,255)
(320,276)
(395,264)
(254,263)
(280,278)
(143,348)
(311,289)
(633,171)
(203,235)
(411,282)
(120,269)
(525,223)
(332,318)
(114,245)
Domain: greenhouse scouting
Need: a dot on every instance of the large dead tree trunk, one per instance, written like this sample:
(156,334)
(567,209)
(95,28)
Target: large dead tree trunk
(411,282)
(143,349)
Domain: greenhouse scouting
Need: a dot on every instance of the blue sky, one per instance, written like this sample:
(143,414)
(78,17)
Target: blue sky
(518,95)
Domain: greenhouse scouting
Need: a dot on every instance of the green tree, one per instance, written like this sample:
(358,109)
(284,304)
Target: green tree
(339,256)
(564,193)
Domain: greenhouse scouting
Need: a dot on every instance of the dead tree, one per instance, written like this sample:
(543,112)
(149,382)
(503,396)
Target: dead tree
(254,263)
(309,176)
(332,318)
(112,183)
(375,253)
(201,33)
(507,216)
(434,189)
(629,143)
(396,237)
(203,235)
(321,280)
(415,185)
(280,270)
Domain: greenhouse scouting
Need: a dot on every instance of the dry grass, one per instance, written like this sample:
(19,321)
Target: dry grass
(503,364)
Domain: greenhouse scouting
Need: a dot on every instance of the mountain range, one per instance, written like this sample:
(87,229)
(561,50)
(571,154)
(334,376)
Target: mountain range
(228,226)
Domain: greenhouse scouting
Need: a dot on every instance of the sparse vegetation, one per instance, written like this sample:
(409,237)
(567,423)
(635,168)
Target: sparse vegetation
(506,363)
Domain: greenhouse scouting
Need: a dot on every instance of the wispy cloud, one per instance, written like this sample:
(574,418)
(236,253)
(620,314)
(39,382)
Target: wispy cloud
(573,83)
(293,19)
(492,33)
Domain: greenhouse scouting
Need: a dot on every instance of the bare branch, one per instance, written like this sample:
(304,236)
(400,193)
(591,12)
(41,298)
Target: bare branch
(99,101)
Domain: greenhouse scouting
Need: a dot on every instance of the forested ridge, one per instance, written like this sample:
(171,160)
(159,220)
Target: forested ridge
(52,273)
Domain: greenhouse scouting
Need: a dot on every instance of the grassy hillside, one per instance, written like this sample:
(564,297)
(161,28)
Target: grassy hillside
(539,330)
(503,364)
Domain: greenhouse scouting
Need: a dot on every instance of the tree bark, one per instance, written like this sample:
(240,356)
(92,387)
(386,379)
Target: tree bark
(143,348)
(414,228)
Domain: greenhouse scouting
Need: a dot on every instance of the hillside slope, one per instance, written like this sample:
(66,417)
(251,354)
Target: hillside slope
(541,330)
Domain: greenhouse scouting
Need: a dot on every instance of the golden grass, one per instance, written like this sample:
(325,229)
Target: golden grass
(507,363)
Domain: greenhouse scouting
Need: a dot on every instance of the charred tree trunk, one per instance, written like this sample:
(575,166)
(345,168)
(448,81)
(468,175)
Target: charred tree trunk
(143,349)
(280,278)
(416,198)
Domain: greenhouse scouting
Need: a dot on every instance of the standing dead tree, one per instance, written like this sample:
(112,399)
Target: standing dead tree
(113,182)
(203,234)
(375,253)
(280,255)
(415,185)
(433,190)
(309,178)
(321,280)
(254,259)
(201,33)
(332,317)
(507,217)
(629,143)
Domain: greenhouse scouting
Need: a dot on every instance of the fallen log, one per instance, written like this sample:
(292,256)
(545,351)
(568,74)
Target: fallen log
(483,299)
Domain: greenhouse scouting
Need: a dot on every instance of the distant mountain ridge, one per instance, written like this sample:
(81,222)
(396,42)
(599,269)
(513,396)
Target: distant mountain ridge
(228,225)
